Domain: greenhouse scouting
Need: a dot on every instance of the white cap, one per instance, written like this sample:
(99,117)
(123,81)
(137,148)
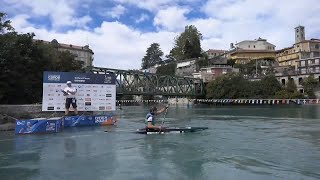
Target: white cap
(68,82)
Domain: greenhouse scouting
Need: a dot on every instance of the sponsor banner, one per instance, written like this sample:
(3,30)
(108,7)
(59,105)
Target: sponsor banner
(97,120)
(39,125)
(73,121)
(92,91)
(80,78)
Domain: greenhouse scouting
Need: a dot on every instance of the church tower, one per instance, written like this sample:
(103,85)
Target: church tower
(299,34)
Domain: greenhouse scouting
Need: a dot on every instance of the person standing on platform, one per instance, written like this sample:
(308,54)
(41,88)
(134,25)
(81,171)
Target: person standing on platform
(70,93)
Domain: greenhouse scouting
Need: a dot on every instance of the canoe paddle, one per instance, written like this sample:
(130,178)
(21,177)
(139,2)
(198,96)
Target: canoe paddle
(164,117)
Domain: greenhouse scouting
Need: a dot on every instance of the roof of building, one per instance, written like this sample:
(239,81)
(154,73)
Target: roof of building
(256,40)
(239,50)
(215,51)
(311,40)
(67,46)
(280,50)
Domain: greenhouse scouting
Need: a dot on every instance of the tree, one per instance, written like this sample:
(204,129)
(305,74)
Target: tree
(168,70)
(269,86)
(309,84)
(5,26)
(187,45)
(234,86)
(291,86)
(22,62)
(152,57)
(230,86)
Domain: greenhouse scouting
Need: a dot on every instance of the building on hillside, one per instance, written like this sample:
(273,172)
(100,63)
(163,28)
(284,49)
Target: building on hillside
(217,66)
(304,68)
(82,53)
(302,49)
(308,65)
(186,67)
(214,52)
(257,44)
(211,72)
(248,50)
(221,59)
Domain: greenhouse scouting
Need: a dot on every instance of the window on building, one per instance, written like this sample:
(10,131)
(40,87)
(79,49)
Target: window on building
(249,46)
(300,80)
(254,46)
(301,91)
(283,82)
(316,46)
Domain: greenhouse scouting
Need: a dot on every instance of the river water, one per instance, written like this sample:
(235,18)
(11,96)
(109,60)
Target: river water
(242,142)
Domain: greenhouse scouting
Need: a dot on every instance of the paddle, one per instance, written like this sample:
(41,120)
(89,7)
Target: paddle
(164,117)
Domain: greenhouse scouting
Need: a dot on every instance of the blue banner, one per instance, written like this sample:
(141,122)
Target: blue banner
(80,78)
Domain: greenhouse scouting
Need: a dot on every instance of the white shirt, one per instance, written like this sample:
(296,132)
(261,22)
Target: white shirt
(69,90)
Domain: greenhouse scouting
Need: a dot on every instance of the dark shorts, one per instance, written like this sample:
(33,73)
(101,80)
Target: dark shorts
(72,101)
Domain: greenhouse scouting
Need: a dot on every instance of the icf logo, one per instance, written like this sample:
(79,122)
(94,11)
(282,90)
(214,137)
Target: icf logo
(20,123)
(53,77)
(100,119)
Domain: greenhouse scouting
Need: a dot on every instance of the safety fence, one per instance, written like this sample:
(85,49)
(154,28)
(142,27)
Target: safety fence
(230,101)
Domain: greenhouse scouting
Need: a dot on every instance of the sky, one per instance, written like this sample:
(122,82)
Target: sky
(120,31)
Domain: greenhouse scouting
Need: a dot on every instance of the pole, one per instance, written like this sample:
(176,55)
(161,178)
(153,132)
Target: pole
(256,68)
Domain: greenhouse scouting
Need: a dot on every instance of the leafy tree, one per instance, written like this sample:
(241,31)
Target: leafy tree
(22,62)
(5,25)
(231,62)
(152,57)
(230,86)
(168,69)
(202,62)
(284,94)
(269,86)
(309,84)
(187,44)
(234,86)
(291,86)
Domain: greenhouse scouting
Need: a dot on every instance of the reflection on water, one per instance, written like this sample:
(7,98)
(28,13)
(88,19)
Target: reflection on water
(243,142)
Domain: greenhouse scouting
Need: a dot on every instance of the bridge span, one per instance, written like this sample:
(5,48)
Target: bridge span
(131,82)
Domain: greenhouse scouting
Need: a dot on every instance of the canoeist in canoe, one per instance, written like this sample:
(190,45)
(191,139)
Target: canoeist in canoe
(150,118)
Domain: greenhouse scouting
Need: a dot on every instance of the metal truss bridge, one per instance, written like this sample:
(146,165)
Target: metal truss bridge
(131,82)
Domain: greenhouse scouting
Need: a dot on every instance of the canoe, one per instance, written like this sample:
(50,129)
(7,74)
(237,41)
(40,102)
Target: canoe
(171,130)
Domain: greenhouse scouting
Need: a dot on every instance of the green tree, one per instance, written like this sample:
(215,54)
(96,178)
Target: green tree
(152,57)
(269,85)
(291,86)
(22,62)
(230,86)
(168,70)
(187,45)
(309,84)
(202,62)
(5,25)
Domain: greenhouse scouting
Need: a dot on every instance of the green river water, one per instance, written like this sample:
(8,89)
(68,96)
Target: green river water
(242,142)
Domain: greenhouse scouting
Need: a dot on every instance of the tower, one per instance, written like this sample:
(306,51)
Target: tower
(299,34)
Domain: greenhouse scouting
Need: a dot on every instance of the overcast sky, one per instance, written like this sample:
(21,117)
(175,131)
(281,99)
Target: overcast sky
(120,31)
